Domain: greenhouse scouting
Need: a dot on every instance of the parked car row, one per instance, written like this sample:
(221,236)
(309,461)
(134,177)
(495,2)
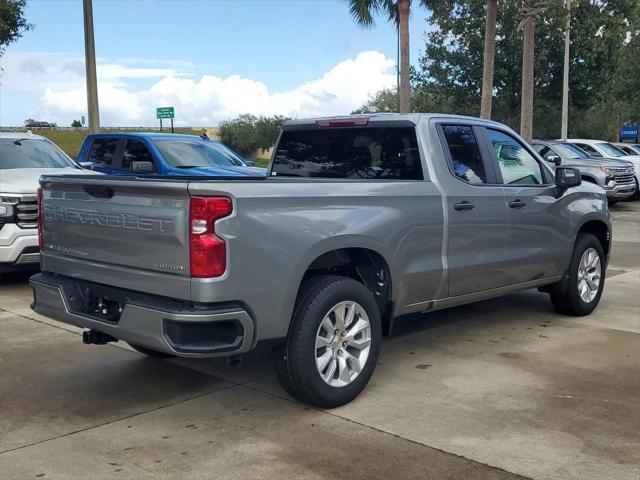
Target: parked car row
(611,167)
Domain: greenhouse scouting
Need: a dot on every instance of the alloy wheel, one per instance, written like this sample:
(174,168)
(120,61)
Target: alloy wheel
(342,344)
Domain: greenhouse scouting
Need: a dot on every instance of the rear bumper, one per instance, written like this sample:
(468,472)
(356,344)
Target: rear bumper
(158,323)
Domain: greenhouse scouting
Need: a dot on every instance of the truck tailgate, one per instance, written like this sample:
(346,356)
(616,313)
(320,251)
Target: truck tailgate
(118,231)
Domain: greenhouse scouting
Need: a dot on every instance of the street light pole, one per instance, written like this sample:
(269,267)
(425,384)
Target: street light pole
(90,66)
(565,79)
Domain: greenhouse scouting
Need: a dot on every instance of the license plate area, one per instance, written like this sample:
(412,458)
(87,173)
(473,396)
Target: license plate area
(105,308)
(99,303)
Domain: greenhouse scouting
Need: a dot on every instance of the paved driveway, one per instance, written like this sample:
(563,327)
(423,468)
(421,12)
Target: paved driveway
(499,389)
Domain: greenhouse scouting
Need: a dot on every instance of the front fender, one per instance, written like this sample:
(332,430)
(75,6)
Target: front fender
(588,204)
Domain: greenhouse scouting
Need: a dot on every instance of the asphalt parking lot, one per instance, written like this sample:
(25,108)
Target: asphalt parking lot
(501,389)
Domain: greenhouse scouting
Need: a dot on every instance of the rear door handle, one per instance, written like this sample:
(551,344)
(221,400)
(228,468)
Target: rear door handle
(464,206)
(517,204)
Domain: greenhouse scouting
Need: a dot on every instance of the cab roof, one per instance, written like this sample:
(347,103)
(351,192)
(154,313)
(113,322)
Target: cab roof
(150,135)
(383,117)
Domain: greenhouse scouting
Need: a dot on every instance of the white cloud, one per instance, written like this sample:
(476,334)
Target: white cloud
(58,82)
(34,72)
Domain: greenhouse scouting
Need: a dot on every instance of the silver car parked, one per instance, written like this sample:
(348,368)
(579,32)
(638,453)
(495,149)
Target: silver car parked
(615,176)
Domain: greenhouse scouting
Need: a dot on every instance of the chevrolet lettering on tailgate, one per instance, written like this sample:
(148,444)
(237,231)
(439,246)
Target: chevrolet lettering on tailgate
(111,220)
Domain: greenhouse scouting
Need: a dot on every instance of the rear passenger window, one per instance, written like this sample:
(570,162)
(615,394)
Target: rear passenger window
(103,151)
(466,161)
(135,151)
(389,153)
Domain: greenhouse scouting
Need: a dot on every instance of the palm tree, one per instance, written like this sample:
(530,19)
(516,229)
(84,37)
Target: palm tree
(363,12)
(489,56)
(531,9)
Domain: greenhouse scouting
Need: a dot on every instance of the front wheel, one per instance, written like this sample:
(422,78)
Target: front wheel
(585,280)
(333,342)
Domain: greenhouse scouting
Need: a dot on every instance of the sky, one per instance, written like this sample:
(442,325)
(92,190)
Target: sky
(210,59)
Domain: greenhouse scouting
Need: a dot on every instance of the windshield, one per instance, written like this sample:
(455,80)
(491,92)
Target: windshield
(611,150)
(570,151)
(193,153)
(630,149)
(31,153)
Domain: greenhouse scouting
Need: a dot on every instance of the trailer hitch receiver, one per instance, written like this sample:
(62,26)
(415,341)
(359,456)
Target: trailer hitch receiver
(96,338)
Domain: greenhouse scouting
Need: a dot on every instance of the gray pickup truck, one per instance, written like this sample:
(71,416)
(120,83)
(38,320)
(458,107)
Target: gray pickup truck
(361,220)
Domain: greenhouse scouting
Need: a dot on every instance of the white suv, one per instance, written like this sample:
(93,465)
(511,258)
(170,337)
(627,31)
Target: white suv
(600,148)
(23,158)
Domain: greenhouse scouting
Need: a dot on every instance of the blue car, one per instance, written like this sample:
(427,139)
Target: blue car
(162,154)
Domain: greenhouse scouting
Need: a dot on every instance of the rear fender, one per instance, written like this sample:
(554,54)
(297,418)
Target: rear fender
(330,244)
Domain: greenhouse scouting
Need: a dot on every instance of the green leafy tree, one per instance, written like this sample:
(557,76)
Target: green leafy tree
(12,22)
(267,130)
(240,134)
(247,133)
(386,100)
(76,124)
(604,39)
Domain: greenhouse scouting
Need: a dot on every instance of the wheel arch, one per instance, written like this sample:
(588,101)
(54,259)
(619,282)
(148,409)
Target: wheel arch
(362,261)
(598,229)
(595,226)
(589,178)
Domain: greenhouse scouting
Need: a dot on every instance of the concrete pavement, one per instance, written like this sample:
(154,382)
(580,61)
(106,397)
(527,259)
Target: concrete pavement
(499,389)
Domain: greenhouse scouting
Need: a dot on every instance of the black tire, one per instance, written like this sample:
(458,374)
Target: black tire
(149,352)
(295,362)
(568,301)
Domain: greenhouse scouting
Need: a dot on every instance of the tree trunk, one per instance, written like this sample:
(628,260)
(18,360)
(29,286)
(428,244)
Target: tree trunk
(489,56)
(90,66)
(526,109)
(564,127)
(405,86)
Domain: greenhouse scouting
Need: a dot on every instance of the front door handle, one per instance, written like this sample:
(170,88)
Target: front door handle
(517,204)
(464,205)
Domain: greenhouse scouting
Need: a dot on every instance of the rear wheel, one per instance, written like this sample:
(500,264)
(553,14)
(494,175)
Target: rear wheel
(149,352)
(585,280)
(333,342)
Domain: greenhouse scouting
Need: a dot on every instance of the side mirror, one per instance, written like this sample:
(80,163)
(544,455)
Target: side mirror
(567,177)
(142,167)
(87,165)
(555,159)
(249,163)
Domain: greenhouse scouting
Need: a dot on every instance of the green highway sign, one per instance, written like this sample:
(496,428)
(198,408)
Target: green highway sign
(164,112)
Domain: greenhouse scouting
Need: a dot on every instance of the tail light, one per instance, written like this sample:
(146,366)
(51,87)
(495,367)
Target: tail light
(40,221)
(208,252)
